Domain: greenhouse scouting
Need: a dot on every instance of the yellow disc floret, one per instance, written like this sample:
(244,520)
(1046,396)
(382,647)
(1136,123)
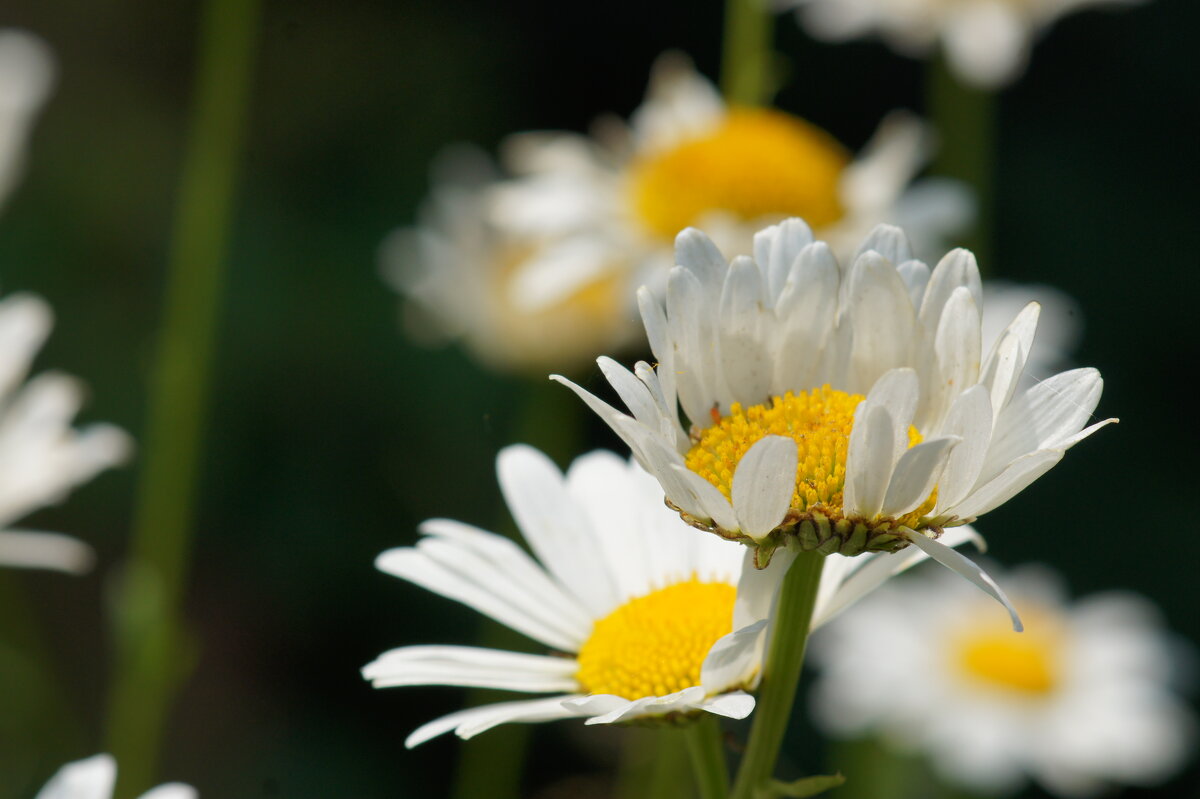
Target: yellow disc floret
(756,164)
(996,657)
(654,645)
(819,421)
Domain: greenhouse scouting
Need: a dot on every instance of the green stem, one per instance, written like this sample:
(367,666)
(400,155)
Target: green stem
(965,120)
(781,674)
(746,57)
(708,758)
(148,629)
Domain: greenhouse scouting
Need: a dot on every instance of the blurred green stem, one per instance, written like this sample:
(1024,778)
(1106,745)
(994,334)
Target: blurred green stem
(781,674)
(708,757)
(147,624)
(746,56)
(965,120)
(653,765)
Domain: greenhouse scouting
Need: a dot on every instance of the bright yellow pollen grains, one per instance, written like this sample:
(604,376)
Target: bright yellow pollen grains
(1024,663)
(758,163)
(819,421)
(654,645)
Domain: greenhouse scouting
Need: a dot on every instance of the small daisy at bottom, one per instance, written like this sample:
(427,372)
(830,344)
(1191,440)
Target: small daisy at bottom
(642,616)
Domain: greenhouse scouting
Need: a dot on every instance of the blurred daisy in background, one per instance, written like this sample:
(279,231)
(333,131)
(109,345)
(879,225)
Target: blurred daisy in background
(986,42)
(1082,701)
(538,271)
(41,456)
(95,778)
(643,616)
(844,409)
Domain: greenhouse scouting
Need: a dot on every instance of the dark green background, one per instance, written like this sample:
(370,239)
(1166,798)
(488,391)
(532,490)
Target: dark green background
(331,438)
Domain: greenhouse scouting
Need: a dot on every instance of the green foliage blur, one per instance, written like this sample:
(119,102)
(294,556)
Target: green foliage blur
(331,437)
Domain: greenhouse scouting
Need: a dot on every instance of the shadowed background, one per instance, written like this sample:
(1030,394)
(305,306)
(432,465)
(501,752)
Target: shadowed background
(330,437)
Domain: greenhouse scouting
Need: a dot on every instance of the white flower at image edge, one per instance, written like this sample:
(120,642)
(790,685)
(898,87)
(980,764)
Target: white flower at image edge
(95,777)
(642,616)
(42,457)
(987,42)
(1082,701)
(841,408)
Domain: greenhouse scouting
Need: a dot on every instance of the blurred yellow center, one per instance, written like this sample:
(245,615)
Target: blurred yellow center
(819,421)
(758,163)
(654,645)
(1025,662)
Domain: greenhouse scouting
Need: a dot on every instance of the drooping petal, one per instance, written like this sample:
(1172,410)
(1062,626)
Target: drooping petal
(472,721)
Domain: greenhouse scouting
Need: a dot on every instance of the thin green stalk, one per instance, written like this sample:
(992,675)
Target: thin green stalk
(965,120)
(148,628)
(781,674)
(708,758)
(652,765)
(746,56)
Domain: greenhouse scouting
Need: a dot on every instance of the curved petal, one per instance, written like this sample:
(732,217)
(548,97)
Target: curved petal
(965,567)
(763,485)
(472,721)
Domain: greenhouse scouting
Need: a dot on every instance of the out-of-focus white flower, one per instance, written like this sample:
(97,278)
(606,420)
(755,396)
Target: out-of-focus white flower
(645,617)
(95,777)
(1081,701)
(504,295)
(987,42)
(42,457)
(26,75)
(538,271)
(842,409)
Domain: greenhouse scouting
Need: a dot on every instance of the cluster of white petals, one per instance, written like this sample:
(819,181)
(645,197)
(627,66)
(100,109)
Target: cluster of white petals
(95,778)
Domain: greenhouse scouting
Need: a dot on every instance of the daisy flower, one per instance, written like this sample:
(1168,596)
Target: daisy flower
(42,457)
(95,777)
(1081,701)
(642,617)
(986,42)
(26,74)
(847,409)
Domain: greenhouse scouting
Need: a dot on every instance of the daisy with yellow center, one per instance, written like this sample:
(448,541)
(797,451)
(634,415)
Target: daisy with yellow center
(1081,701)
(640,617)
(842,409)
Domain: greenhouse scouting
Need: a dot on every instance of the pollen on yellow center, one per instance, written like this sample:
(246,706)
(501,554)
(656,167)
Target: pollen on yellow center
(757,163)
(654,645)
(819,421)
(1025,663)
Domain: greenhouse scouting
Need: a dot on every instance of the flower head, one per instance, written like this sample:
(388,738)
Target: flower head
(42,457)
(987,42)
(1080,701)
(642,617)
(95,777)
(848,409)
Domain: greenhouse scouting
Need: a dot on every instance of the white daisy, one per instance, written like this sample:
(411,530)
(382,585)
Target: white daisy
(687,159)
(41,456)
(26,75)
(95,777)
(770,358)
(1080,702)
(643,616)
(501,293)
(987,42)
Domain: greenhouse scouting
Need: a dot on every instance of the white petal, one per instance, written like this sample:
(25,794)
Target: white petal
(471,667)
(711,500)
(1010,482)
(776,248)
(965,567)
(986,42)
(757,589)
(734,659)
(472,721)
(970,418)
(1045,416)
(172,790)
(686,699)
(1002,370)
(806,310)
(695,251)
(917,472)
(84,779)
(745,359)
(733,705)
(763,484)
(896,390)
(957,268)
(956,357)
(654,320)
(633,393)
(869,462)
(38,550)
(889,241)
(915,275)
(550,521)
(882,318)
(689,316)
(608,413)
(25,321)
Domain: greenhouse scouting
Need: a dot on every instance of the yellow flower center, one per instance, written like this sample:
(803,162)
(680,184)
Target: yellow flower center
(654,645)
(1025,663)
(757,164)
(819,421)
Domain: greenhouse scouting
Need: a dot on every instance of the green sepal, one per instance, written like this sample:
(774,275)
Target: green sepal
(801,788)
